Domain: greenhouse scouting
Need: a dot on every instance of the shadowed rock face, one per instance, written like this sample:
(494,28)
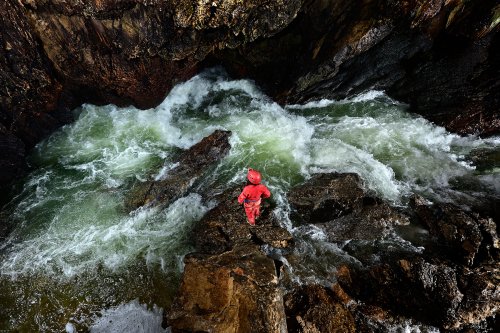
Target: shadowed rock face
(191,165)
(439,56)
(452,284)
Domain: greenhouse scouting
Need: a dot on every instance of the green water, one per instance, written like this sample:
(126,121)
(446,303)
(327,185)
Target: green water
(75,252)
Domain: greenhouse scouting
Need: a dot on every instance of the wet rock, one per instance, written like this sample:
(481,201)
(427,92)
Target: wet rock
(338,204)
(314,309)
(411,287)
(485,158)
(459,230)
(326,196)
(236,291)
(481,289)
(192,164)
(225,225)
(230,284)
(369,223)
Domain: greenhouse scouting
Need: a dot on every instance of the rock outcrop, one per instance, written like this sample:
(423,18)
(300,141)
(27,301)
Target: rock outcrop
(439,56)
(230,284)
(190,166)
(337,203)
(451,284)
(314,309)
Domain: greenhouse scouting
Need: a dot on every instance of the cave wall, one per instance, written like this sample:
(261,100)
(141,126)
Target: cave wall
(440,56)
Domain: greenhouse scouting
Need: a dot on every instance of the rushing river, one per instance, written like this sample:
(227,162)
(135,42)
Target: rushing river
(77,260)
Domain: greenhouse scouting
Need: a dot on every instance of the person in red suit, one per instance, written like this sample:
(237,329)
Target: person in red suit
(251,195)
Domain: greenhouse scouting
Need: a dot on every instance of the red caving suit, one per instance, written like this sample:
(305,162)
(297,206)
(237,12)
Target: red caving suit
(251,197)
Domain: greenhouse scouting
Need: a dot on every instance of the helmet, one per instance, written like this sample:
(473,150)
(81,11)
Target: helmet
(254,176)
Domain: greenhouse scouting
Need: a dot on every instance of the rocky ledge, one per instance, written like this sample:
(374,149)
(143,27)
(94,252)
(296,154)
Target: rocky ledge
(189,167)
(233,282)
(439,56)
(230,284)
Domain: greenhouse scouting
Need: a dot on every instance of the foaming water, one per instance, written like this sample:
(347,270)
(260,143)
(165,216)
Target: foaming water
(70,219)
(130,317)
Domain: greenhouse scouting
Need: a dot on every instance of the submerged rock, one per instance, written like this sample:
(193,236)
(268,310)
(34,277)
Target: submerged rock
(191,165)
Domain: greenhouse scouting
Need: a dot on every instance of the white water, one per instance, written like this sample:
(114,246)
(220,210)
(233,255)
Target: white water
(70,218)
(130,317)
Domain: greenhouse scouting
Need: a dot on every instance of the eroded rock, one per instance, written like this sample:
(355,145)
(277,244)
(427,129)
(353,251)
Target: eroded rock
(314,309)
(236,291)
(326,196)
(459,230)
(338,204)
(192,164)
(229,284)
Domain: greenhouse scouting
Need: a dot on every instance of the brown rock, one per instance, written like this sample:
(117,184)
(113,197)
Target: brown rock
(313,309)
(236,291)
(192,164)
(326,196)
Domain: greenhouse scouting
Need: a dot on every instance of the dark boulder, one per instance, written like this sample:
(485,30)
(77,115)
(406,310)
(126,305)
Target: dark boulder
(470,239)
(326,196)
(411,287)
(339,205)
(192,164)
(314,309)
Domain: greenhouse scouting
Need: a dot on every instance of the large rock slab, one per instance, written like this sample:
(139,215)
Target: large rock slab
(191,165)
(338,203)
(236,291)
(326,196)
(230,284)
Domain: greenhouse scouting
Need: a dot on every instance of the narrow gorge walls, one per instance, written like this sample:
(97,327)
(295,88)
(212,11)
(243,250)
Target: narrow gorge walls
(439,56)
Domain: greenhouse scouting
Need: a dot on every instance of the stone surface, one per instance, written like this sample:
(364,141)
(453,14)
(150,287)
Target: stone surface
(339,205)
(314,309)
(438,56)
(326,196)
(236,291)
(191,165)
(463,233)
(225,225)
(230,284)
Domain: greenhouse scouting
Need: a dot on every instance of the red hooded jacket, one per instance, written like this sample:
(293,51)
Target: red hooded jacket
(252,193)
